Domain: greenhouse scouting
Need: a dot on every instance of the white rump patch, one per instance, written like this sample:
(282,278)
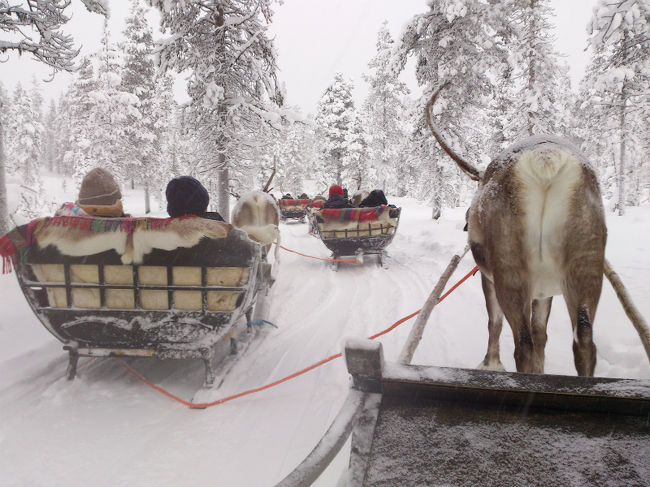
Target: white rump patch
(549,177)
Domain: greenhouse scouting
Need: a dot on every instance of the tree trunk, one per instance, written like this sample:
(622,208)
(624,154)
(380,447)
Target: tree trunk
(147,199)
(621,172)
(4,211)
(531,65)
(132,184)
(223,179)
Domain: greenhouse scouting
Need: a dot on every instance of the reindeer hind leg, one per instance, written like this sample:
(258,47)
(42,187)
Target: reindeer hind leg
(492,360)
(541,311)
(581,293)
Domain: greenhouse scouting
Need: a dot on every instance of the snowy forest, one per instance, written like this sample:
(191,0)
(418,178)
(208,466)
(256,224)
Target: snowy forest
(508,81)
(202,88)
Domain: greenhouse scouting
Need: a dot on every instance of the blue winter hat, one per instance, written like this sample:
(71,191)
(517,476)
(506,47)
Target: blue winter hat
(186,196)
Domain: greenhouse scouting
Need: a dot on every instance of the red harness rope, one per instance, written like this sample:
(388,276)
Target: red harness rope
(289,377)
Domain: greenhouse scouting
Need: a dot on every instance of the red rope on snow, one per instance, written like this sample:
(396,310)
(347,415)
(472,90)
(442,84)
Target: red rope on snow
(346,261)
(205,405)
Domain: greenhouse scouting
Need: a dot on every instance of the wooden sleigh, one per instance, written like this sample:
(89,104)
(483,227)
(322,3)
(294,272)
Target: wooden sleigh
(356,231)
(293,209)
(186,302)
(416,425)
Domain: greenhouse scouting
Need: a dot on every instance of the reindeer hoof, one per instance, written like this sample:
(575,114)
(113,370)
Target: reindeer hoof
(495,366)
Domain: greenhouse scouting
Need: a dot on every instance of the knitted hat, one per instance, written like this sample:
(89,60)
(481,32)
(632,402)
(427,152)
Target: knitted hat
(335,188)
(99,188)
(186,196)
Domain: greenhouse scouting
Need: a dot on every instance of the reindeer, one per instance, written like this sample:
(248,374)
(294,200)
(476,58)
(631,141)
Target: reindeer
(358,197)
(257,213)
(536,228)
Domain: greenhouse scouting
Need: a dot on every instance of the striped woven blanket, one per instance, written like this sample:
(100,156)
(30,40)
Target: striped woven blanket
(353,214)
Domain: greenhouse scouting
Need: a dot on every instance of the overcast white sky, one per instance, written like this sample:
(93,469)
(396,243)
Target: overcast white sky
(314,39)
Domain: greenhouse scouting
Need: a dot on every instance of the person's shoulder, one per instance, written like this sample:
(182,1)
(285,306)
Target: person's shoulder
(212,215)
(70,209)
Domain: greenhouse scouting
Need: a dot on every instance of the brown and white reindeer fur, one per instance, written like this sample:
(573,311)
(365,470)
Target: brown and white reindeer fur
(536,228)
(257,213)
(358,197)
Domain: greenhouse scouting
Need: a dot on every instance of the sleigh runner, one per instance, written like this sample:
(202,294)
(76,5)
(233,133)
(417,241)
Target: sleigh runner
(164,288)
(356,231)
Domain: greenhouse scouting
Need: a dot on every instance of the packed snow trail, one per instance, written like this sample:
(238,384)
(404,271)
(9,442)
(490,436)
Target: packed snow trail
(107,428)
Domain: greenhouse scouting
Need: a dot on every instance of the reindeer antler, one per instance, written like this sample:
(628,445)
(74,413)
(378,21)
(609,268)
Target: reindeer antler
(467,167)
(268,183)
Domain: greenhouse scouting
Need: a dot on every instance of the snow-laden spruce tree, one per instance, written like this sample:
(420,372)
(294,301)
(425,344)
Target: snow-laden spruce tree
(111,111)
(24,153)
(51,135)
(334,116)
(540,90)
(290,150)
(143,149)
(460,41)
(384,116)
(614,99)
(231,61)
(356,158)
(4,117)
(80,111)
(35,27)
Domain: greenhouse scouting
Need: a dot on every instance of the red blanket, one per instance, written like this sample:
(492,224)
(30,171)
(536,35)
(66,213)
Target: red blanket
(353,214)
(288,202)
(317,204)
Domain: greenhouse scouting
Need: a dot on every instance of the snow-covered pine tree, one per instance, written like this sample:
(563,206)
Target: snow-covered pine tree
(289,151)
(232,82)
(112,111)
(51,135)
(460,41)
(4,112)
(36,102)
(334,117)
(35,27)
(540,88)
(65,123)
(24,153)
(615,93)
(384,115)
(356,158)
(80,112)
(145,133)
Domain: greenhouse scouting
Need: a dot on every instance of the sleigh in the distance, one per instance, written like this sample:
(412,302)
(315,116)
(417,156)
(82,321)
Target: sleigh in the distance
(293,209)
(356,232)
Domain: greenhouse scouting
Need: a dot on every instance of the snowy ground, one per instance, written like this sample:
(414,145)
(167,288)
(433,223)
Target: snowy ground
(107,429)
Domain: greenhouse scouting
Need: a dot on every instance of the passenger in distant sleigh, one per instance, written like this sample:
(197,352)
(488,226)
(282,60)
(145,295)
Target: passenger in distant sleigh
(337,199)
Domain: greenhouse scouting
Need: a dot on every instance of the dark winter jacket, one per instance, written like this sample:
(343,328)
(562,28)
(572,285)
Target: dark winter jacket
(375,198)
(211,215)
(338,201)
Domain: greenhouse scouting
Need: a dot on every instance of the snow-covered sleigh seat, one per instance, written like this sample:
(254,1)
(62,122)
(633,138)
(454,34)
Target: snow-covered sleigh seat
(356,231)
(293,208)
(147,287)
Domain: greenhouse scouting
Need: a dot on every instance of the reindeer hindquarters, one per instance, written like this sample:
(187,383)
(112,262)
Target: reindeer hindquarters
(492,360)
(541,311)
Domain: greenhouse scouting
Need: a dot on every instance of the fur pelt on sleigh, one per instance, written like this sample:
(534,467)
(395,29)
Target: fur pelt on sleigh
(132,244)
